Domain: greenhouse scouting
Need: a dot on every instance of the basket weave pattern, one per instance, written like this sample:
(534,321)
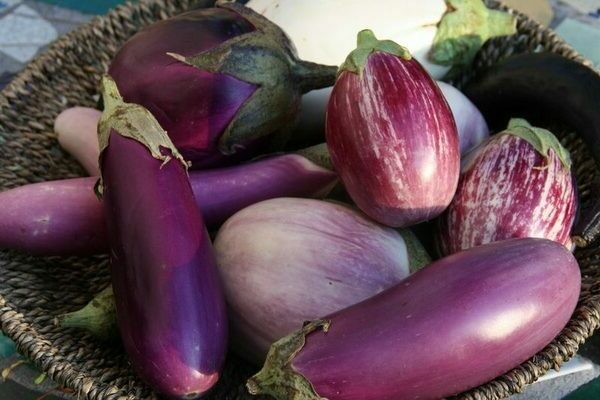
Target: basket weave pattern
(34,290)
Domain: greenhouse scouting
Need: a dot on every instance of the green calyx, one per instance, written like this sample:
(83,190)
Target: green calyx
(132,121)
(464,28)
(418,257)
(541,139)
(318,154)
(277,378)
(98,316)
(366,44)
(267,59)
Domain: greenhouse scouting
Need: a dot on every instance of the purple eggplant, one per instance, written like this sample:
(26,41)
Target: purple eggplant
(456,324)
(170,305)
(391,135)
(66,218)
(275,278)
(53,218)
(516,184)
(219,80)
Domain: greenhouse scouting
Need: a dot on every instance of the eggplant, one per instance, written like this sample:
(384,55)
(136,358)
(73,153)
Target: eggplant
(169,300)
(76,129)
(224,82)
(454,325)
(391,135)
(548,90)
(516,184)
(268,266)
(284,261)
(53,218)
(66,218)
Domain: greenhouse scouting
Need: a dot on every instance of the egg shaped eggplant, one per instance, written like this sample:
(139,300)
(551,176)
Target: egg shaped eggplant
(391,135)
(516,184)
(222,81)
(285,261)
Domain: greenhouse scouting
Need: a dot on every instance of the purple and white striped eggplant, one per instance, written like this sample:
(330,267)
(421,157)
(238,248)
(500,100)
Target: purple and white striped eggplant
(456,324)
(170,306)
(285,261)
(391,135)
(516,184)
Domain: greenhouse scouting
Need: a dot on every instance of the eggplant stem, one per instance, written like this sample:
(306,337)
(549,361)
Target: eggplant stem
(311,76)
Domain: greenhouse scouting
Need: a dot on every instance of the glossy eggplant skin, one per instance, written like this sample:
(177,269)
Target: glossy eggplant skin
(507,189)
(192,105)
(393,141)
(170,305)
(456,324)
(548,90)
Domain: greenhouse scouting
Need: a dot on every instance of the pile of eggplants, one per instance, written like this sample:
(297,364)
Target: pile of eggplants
(306,262)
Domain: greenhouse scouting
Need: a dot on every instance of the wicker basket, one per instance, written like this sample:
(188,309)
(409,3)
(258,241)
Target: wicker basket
(34,290)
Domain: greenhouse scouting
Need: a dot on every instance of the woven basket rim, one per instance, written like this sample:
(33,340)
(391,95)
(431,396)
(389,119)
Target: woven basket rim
(555,354)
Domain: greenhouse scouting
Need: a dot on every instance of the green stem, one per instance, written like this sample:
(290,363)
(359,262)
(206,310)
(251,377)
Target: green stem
(313,76)
(318,154)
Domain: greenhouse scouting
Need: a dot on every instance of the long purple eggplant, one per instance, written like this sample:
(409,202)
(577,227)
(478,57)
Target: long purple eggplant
(66,218)
(516,184)
(391,135)
(170,305)
(221,81)
(456,324)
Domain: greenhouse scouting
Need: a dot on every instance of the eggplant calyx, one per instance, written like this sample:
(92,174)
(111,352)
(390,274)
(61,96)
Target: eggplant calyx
(418,257)
(366,44)
(135,122)
(277,378)
(318,154)
(464,28)
(98,316)
(267,59)
(541,139)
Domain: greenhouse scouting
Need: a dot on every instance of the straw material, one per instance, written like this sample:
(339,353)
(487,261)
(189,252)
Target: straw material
(34,290)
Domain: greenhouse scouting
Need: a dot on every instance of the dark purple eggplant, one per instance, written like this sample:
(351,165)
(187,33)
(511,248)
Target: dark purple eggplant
(548,90)
(222,81)
(456,324)
(169,300)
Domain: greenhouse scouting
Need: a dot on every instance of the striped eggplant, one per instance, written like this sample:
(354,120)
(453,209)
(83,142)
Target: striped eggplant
(284,261)
(516,184)
(391,135)
(169,301)
(224,82)
(456,324)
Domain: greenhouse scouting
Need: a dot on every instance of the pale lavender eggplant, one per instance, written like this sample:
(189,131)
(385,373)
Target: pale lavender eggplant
(391,135)
(169,301)
(454,325)
(76,129)
(509,189)
(66,218)
(53,218)
(284,261)
(470,123)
